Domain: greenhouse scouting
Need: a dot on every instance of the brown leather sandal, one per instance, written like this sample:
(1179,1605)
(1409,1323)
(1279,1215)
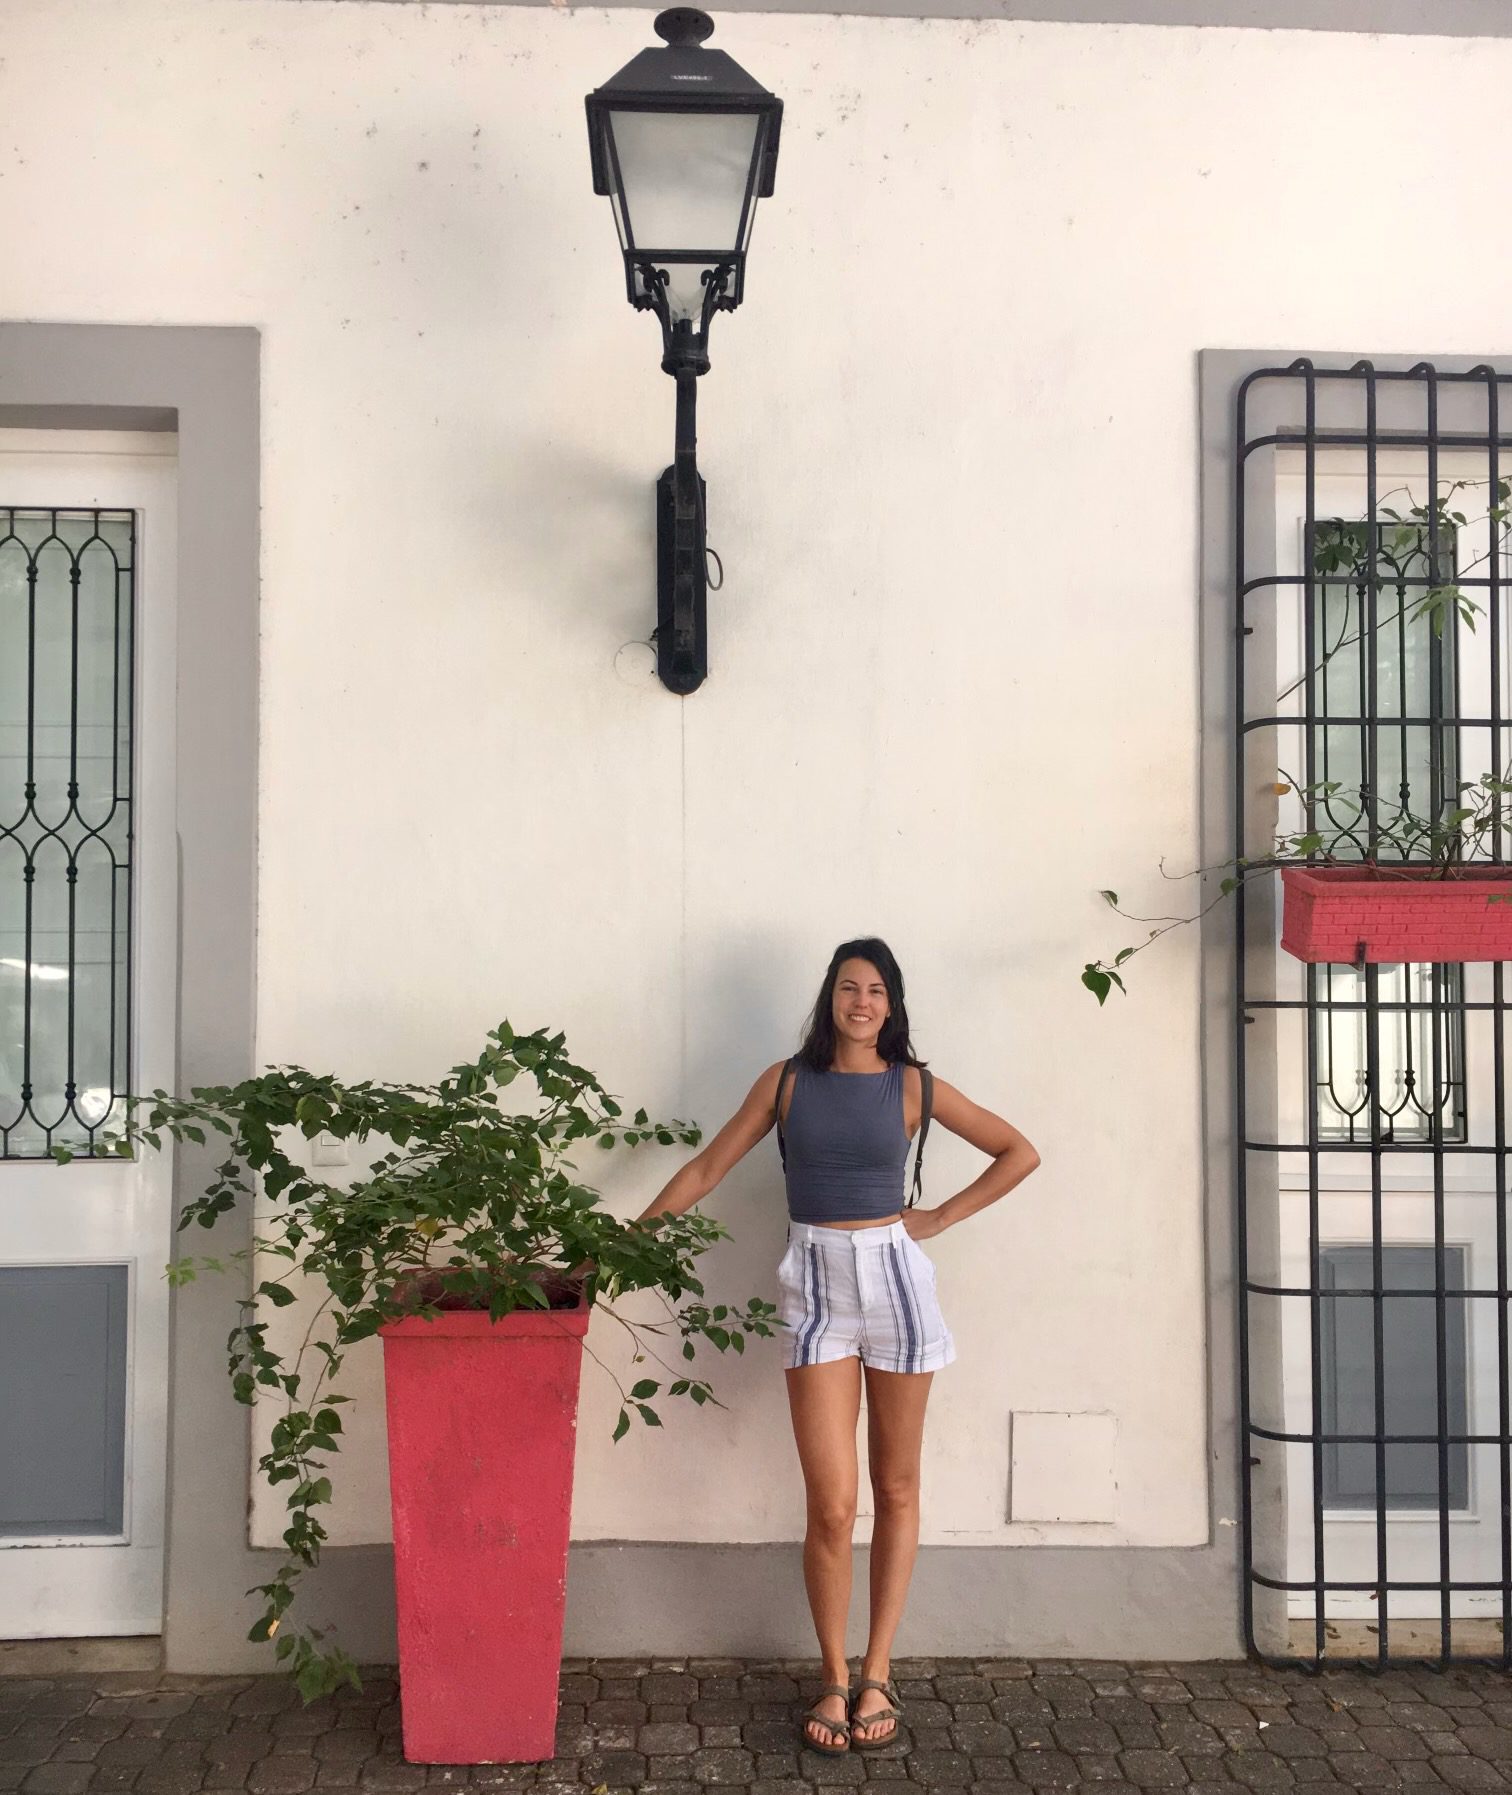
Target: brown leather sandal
(837,1729)
(894,1714)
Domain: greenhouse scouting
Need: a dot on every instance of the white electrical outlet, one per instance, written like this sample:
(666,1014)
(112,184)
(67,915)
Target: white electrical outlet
(329,1151)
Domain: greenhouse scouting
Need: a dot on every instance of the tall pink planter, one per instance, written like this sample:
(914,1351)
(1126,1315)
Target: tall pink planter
(482,1424)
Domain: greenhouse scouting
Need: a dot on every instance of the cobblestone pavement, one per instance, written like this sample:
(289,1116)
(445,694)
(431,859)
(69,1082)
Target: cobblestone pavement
(686,1726)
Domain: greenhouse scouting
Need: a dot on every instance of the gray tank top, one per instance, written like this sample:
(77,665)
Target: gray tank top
(846,1145)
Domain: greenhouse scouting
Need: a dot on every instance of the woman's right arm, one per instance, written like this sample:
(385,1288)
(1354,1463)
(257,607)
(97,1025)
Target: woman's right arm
(699,1176)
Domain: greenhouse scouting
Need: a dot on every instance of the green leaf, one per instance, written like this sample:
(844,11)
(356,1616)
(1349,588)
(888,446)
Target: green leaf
(622,1427)
(1111,896)
(646,1387)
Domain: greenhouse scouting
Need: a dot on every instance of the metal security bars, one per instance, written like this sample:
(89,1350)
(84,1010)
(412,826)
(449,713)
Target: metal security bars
(1371,511)
(67,608)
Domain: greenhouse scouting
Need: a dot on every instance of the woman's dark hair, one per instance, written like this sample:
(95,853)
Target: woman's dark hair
(893,1044)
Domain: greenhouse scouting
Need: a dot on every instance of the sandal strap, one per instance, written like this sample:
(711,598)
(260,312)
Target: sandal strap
(894,1713)
(836,1728)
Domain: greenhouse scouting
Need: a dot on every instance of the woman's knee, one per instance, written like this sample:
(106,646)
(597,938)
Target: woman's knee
(894,1491)
(832,1516)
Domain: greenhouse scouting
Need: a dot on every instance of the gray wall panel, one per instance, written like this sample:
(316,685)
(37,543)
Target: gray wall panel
(62,1398)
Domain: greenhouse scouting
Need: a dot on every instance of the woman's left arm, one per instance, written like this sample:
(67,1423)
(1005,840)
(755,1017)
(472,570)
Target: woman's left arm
(1013,1159)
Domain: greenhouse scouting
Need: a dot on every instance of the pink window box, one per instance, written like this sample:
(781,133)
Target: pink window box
(1332,913)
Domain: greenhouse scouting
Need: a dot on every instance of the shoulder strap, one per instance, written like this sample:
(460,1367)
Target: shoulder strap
(782,1078)
(926,1081)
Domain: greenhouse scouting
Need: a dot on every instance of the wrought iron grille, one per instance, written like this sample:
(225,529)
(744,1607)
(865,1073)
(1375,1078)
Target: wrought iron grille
(1370,645)
(67,609)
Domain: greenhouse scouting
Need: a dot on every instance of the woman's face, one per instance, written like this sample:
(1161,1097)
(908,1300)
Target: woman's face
(859,1005)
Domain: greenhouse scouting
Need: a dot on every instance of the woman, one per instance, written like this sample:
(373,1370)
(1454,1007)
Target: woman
(857,1297)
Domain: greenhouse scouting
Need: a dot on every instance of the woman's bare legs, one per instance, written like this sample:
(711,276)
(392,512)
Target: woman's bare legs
(895,1403)
(826,1406)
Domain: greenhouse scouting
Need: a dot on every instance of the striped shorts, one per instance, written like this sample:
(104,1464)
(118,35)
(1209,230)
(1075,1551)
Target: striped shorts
(860,1292)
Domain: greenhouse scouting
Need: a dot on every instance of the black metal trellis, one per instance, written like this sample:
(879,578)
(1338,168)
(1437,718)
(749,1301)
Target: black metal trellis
(1439,1106)
(66,809)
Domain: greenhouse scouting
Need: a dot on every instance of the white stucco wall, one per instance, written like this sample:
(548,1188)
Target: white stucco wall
(950,443)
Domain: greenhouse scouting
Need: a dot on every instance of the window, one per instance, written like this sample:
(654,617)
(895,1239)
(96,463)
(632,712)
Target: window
(1409,1355)
(1416,775)
(66,607)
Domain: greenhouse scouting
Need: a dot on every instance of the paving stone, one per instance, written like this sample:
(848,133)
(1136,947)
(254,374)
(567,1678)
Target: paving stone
(1022,1704)
(1259,1770)
(26,1753)
(1459,1773)
(233,1748)
(1492,1742)
(814,1767)
(769,1735)
(1071,1697)
(390,1778)
(1084,1735)
(281,1775)
(1046,1769)
(660,1740)
(1365,1770)
(992,1740)
(337,1773)
(63,1699)
(1159,1689)
(631,1712)
(964,1689)
(721,1764)
(1154,1769)
(1099,1767)
(668,1686)
(1421,1717)
(1189,1737)
(772,1687)
(1300,1742)
(723,1713)
(619,1769)
(57,1779)
(1146,1738)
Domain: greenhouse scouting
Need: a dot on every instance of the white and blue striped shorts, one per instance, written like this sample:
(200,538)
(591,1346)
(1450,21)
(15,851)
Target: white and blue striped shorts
(860,1292)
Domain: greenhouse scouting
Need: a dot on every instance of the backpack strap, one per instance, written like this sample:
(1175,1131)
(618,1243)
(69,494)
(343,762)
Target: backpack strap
(926,1081)
(782,1078)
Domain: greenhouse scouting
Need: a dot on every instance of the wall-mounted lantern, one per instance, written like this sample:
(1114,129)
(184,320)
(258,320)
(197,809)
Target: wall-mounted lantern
(684,142)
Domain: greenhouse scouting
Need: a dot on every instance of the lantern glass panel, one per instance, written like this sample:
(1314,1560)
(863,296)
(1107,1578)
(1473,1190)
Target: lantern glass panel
(684,177)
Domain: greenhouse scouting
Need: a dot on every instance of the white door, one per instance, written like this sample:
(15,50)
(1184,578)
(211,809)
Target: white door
(87,1005)
(1343,1369)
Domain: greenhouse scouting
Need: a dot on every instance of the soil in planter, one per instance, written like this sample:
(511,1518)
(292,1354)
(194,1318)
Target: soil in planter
(426,1285)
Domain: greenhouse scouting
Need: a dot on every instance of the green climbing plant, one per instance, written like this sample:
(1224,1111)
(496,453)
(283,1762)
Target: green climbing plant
(1351,830)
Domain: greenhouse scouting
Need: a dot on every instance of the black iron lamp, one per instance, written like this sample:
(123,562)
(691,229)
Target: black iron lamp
(684,142)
